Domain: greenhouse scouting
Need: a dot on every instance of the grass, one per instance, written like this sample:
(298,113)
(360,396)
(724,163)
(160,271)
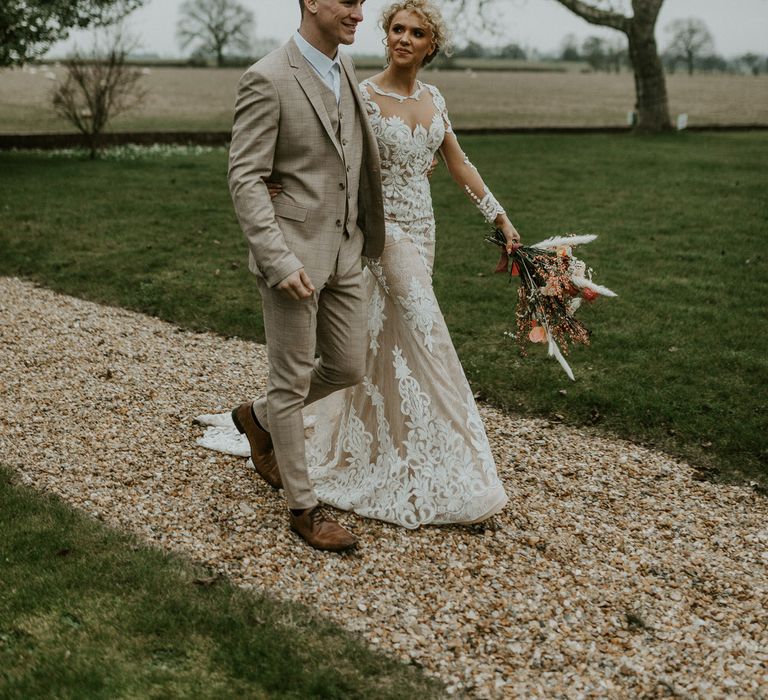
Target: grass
(183,99)
(677,362)
(86,612)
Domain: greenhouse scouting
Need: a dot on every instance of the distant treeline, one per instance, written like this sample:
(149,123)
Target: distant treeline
(593,54)
(362,62)
(601,54)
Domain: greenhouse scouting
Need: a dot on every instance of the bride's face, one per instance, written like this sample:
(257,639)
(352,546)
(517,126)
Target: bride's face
(409,39)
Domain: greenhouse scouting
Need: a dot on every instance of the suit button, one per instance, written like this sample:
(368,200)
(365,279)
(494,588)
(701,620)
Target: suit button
(349,168)
(343,142)
(338,223)
(341,185)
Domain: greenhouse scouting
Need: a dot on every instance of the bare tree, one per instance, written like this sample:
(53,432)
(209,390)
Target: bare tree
(639,25)
(98,86)
(569,48)
(215,25)
(514,51)
(616,54)
(690,39)
(604,54)
(752,62)
(594,53)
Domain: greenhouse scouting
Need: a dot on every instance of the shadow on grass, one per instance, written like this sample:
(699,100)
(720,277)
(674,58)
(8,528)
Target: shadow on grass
(87,612)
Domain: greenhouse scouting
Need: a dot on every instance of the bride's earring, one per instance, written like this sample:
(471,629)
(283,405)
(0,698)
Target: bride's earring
(386,52)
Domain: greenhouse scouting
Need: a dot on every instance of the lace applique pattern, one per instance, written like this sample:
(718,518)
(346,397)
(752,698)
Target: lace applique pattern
(376,317)
(406,156)
(415,95)
(430,474)
(488,205)
(420,232)
(420,311)
(377,270)
(442,109)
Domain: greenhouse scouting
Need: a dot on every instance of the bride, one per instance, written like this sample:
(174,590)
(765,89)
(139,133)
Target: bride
(406,445)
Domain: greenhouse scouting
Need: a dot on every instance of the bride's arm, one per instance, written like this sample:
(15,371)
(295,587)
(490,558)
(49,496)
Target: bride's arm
(466,176)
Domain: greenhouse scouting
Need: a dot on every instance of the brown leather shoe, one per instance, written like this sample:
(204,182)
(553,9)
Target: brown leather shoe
(262,452)
(321,532)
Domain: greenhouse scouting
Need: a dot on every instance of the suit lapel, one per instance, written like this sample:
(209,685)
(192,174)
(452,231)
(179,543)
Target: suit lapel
(368,135)
(371,145)
(309,82)
(348,69)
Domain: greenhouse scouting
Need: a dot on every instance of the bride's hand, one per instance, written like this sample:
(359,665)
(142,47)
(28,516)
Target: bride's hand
(274,189)
(511,234)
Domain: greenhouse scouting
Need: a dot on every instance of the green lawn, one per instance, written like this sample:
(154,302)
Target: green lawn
(86,612)
(677,361)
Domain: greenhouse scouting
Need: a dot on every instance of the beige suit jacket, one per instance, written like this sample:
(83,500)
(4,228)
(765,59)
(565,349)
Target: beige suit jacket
(282,132)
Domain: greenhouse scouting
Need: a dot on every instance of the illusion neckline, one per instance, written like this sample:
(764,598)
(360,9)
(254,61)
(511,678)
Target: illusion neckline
(415,95)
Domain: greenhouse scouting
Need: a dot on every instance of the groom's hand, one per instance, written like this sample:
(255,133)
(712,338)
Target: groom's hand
(297,285)
(274,189)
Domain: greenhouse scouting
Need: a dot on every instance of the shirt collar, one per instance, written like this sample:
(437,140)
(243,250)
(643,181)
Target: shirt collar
(320,62)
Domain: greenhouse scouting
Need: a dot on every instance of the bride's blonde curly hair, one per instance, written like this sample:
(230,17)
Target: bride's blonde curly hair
(432,16)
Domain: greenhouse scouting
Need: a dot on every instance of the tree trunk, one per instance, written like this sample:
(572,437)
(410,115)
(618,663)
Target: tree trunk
(650,85)
(652,106)
(93,147)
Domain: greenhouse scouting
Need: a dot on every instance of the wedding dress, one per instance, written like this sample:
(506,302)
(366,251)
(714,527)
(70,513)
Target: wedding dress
(407,445)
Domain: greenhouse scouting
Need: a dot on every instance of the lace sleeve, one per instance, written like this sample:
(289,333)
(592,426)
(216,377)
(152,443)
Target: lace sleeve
(461,168)
(487,204)
(439,101)
(370,104)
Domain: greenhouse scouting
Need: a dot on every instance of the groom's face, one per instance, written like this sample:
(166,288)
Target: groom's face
(337,20)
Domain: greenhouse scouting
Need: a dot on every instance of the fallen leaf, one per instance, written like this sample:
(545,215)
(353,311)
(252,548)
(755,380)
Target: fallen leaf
(205,581)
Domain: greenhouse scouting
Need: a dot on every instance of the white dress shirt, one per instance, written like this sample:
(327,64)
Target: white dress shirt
(328,69)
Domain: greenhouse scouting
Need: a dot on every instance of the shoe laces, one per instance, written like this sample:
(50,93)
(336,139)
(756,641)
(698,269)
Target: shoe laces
(317,515)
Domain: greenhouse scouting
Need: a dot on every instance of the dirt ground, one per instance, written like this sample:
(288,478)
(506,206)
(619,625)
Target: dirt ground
(202,98)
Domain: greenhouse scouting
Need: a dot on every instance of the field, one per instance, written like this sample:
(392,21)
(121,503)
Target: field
(677,361)
(202,98)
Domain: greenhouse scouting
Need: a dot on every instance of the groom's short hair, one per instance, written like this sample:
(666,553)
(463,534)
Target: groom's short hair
(301,5)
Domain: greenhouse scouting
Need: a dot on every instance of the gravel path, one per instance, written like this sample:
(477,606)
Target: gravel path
(613,572)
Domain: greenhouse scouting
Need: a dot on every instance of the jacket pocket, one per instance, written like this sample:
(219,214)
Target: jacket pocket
(290,211)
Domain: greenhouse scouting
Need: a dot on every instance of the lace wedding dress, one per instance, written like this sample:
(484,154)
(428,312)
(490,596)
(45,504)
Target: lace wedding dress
(407,445)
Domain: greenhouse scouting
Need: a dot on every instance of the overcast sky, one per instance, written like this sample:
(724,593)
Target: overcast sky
(738,26)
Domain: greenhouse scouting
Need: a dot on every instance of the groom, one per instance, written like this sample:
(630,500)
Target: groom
(299,121)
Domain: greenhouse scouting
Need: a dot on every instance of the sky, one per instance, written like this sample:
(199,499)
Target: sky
(738,26)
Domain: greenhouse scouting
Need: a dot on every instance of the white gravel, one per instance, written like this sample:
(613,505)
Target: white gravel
(612,573)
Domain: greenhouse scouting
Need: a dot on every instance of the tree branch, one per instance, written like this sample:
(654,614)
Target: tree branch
(594,15)
(649,8)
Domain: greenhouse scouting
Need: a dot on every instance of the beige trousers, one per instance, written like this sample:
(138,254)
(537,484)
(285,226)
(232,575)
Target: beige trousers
(332,322)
